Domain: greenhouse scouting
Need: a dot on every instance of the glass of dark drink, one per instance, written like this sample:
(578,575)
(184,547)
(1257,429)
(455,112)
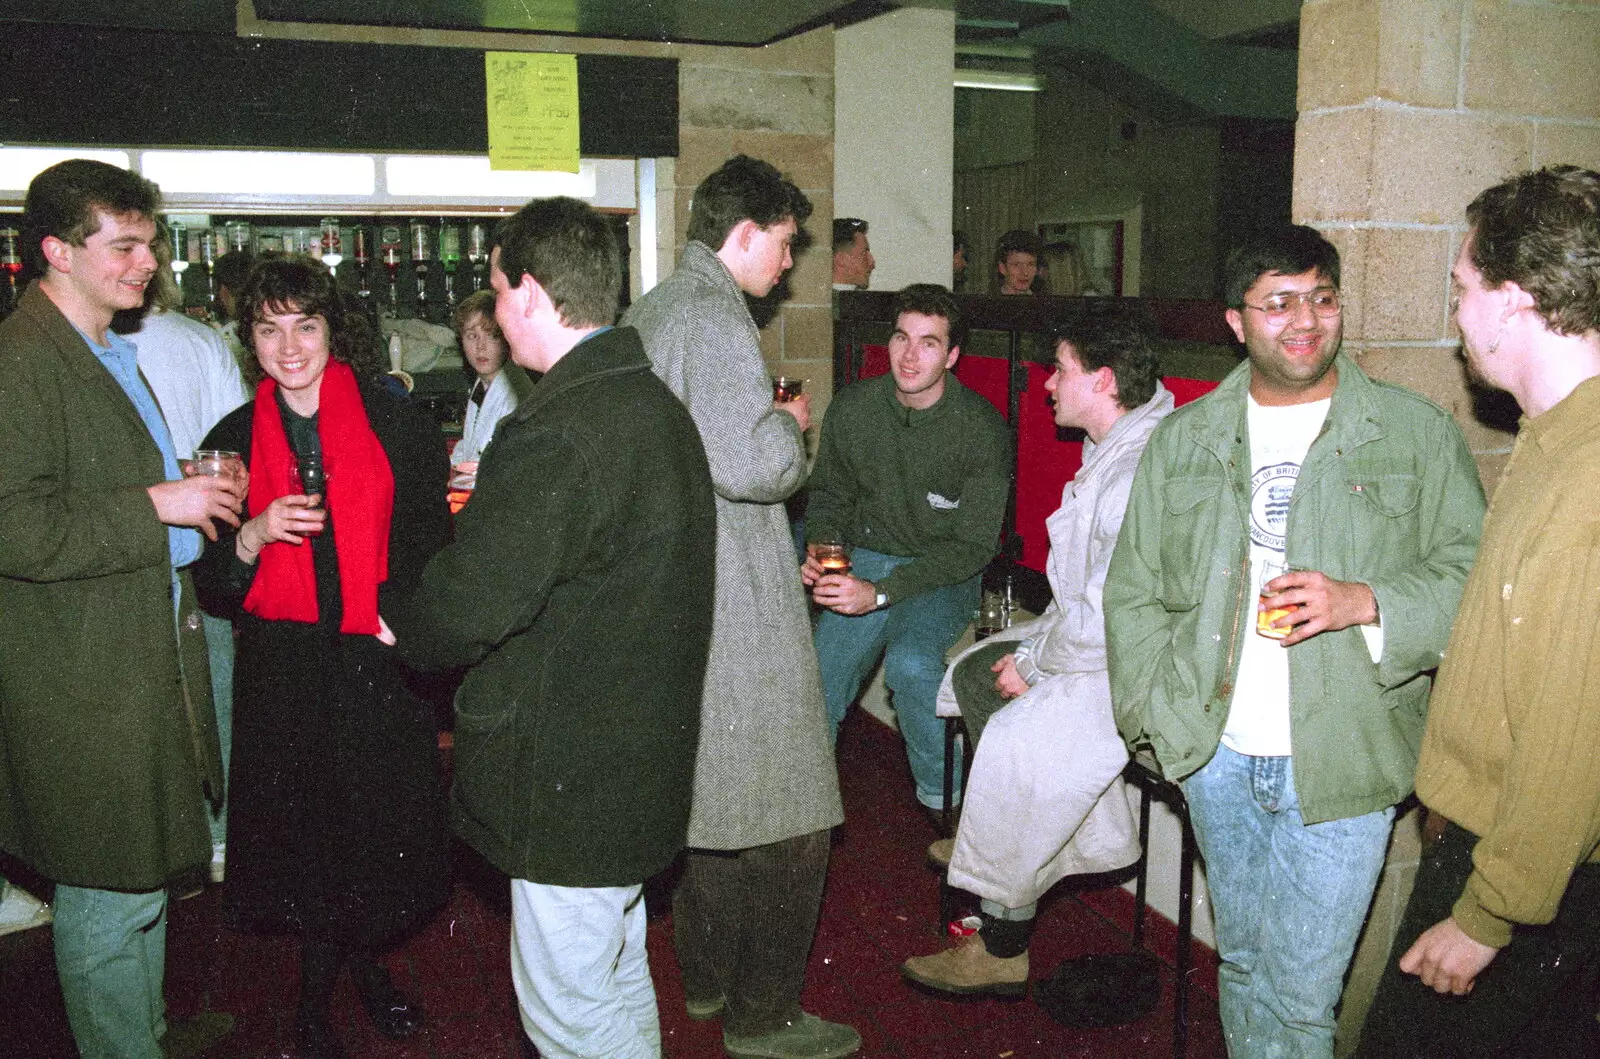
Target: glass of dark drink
(308,475)
(786,388)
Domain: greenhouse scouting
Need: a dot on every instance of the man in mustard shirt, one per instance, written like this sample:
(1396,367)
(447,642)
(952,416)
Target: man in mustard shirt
(1499,950)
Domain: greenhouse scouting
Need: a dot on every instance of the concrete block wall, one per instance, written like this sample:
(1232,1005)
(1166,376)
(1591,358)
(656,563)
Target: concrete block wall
(1407,109)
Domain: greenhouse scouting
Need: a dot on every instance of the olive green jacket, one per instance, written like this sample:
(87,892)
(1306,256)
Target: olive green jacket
(107,743)
(1388,496)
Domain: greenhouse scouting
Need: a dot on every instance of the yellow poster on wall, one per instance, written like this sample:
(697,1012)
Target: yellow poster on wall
(533,111)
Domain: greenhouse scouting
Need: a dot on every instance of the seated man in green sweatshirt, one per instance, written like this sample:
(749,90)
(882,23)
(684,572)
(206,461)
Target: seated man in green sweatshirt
(912,473)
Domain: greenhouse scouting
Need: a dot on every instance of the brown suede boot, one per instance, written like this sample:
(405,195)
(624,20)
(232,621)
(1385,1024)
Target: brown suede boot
(940,852)
(967,968)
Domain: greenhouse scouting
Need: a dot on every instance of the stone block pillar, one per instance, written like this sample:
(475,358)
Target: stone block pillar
(1407,109)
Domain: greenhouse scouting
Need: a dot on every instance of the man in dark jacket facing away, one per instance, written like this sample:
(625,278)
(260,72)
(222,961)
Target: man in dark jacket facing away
(107,740)
(579,591)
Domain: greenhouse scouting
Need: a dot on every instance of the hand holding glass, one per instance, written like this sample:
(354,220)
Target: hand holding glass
(1266,612)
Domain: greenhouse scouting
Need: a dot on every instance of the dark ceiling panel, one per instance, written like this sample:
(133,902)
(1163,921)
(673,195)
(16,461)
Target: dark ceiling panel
(187,16)
(748,22)
(226,92)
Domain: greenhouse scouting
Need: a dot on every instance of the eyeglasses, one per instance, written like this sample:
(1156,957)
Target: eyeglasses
(1281,307)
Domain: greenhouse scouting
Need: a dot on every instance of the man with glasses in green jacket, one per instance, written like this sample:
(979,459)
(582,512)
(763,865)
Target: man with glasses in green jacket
(1284,584)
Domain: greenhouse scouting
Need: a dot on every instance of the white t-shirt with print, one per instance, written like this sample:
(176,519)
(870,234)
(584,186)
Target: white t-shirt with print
(1280,437)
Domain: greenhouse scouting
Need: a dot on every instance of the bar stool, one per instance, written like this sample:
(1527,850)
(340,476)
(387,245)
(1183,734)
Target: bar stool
(1143,772)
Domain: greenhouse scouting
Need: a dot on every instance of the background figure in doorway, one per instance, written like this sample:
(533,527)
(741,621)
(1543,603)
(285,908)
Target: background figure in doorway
(1016,262)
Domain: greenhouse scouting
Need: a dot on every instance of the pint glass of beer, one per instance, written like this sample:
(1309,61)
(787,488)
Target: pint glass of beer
(1266,612)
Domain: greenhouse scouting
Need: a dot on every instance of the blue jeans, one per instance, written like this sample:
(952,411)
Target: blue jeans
(912,635)
(111,955)
(1288,899)
(219,649)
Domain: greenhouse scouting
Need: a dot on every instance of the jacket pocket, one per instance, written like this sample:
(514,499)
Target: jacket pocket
(1391,495)
(1383,522)
(1190,513)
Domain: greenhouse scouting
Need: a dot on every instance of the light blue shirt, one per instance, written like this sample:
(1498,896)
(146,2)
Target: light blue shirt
(121,359)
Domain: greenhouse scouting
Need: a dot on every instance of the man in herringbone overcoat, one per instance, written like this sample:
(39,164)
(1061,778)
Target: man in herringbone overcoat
(766,789)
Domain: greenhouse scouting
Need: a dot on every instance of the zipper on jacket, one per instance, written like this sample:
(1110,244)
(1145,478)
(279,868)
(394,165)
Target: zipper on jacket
(1225,689)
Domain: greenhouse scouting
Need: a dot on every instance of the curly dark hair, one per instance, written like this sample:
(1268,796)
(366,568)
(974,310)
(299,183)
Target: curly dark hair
(744,188)
(302,284)
(1541,231)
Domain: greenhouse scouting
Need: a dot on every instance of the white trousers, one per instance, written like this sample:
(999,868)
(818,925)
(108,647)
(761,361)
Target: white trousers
(579,967)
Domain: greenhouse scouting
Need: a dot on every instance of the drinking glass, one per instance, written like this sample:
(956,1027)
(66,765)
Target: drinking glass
(832,554)
(993,614)
(214,463)
(786,388)
(308,475)
(1266,614)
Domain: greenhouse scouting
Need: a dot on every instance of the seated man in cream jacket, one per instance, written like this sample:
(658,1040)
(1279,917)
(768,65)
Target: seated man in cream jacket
(1045,797)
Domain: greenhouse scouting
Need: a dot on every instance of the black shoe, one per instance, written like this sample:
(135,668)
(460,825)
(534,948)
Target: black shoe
(314,1039)
(391,1013)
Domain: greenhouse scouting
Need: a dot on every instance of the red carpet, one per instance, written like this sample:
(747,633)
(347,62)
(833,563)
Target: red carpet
(880,908)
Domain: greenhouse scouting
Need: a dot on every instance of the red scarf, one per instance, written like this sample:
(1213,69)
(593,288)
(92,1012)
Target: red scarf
(360,499)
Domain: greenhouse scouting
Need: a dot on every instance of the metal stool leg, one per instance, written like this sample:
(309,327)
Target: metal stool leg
(1142,879)
(952,746)
(1180,1003)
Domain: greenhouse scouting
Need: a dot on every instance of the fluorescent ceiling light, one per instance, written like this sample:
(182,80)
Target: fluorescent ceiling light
(277,173)
(19,165)
(998,81)
(443,178)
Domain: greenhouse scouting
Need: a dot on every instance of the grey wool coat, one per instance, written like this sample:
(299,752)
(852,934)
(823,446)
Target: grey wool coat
(765,769)
(107,740)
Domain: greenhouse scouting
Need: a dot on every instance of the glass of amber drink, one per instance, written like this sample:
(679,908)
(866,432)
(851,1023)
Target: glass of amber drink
(786,388)
(832,555)
(1266,611)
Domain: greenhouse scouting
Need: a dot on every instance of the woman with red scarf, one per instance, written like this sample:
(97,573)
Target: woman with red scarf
(336,828)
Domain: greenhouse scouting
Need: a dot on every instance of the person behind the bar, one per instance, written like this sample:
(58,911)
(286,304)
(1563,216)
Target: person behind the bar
(1045,799)
(578,591)
(766,789)
(336,828)
(1293,726)
(1498,952)
(496,386)
(105,703)
(1016,262)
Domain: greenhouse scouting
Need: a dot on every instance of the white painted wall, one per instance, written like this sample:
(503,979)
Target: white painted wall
(894,138)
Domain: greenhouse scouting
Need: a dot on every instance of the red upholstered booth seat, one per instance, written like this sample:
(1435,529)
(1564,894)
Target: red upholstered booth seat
(1044,463)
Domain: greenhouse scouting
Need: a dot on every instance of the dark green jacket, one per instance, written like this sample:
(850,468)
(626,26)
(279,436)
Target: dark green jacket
(1387,496)
(579,591)
(105,740)
(927,483)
